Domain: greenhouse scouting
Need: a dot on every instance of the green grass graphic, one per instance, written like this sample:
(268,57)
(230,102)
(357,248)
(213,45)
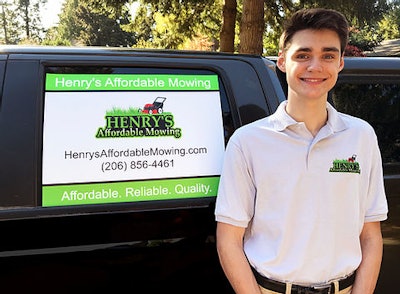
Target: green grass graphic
(116,111)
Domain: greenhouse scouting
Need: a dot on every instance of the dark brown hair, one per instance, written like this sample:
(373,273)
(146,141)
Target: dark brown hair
(315,19)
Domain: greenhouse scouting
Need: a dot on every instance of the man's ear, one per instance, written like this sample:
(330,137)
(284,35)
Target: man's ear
(280,62)
(341,64)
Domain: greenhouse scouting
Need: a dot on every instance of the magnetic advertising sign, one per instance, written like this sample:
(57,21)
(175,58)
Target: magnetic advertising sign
(113,138)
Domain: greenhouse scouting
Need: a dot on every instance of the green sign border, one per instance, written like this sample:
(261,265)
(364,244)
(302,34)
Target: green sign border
(135,191)
(131,82)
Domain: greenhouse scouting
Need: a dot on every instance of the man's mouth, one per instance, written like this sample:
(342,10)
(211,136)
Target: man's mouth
(313,80)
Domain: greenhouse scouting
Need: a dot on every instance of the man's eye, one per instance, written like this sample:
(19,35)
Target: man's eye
(302,56)
(329,56)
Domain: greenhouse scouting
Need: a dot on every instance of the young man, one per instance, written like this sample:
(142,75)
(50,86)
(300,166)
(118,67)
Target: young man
(301,194)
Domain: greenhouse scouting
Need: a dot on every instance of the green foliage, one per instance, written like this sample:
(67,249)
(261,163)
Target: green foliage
(20,21)
(169,24)
(53,38)
(388,26)
(29,11)
(363,17)
(356,12)
(10,32)
(275,15)
(187,24)
(92,23)
(366,38)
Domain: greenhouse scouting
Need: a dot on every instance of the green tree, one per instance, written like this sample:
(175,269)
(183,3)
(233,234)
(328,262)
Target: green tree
(67,31)
(170,24)
(363,17)
(91,23)
(142,26)
(245,26)
(20,21)
(365,38)
(29,12)
(251,27)
(10,23)
(388,26)
(275,13)
(358,13)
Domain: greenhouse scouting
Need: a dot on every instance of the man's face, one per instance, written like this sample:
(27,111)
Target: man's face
(312,63)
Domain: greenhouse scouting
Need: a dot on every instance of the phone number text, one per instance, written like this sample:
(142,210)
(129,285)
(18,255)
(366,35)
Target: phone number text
(110,166)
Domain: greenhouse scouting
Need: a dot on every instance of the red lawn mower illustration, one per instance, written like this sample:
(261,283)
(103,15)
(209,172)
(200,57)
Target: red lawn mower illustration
(352,159)
(156,107)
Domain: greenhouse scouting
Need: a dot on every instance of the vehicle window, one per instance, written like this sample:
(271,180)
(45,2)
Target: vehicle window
(378,102)
(113,135)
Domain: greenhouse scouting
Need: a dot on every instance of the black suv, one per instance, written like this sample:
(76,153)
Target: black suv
(97,194)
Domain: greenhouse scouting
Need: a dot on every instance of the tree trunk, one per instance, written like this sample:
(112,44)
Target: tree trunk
(24,5)
(3,15)
(227,34)
(252,27)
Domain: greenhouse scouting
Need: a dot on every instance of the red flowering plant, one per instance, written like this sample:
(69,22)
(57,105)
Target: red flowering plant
(352,50)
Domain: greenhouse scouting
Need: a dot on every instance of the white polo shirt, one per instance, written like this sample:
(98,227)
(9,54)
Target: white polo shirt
(303,199)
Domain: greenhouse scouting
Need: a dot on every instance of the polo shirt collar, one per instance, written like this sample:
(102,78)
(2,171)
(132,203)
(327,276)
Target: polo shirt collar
(282,120)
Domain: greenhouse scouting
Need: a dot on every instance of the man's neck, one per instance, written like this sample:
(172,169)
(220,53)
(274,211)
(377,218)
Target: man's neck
(313,113)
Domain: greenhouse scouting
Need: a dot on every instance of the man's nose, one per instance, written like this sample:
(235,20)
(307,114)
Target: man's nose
(314,65)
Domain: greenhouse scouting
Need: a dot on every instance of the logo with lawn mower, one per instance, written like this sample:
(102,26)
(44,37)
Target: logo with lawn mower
(349,165)
(151,121)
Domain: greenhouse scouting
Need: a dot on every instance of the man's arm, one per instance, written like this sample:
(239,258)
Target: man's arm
(372,250)
(233,260)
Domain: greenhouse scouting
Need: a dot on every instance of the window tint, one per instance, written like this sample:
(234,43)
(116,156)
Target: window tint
(378,102)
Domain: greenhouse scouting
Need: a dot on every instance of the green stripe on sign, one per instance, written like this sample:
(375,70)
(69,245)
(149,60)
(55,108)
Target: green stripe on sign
(130,82)
(103,193)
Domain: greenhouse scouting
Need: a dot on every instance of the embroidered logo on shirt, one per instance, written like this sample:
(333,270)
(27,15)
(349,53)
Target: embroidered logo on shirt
(349,165)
